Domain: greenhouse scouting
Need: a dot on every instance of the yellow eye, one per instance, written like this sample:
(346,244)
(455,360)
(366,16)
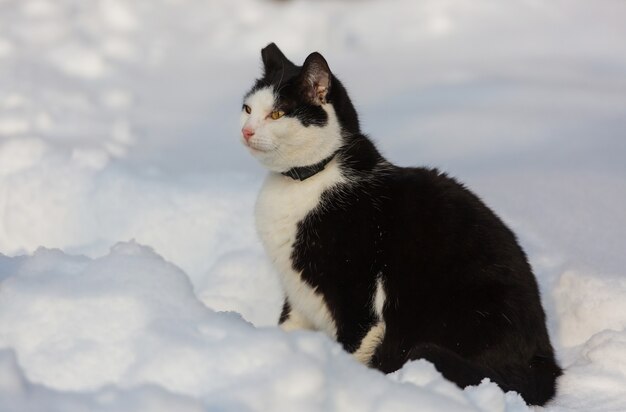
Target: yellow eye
(277,114)
(247,108)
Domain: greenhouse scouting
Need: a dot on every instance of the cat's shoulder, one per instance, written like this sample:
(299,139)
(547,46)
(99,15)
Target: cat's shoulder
(421,188)
(425,178)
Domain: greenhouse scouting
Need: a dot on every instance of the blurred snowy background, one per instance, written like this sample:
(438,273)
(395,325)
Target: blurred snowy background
(119,121)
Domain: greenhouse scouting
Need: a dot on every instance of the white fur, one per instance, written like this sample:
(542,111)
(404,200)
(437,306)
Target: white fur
(370,342)
(280,145)
(296,321)
(379,299)
(282,203)
(262,103)
(284,143)
(376,334)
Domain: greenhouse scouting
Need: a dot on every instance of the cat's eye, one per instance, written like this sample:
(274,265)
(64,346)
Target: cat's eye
(277,114)
(247,108)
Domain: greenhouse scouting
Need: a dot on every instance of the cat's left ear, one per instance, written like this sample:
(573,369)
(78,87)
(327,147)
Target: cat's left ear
(315,78)
(274,60)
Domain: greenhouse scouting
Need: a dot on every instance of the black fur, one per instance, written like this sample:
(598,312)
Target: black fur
(459,289)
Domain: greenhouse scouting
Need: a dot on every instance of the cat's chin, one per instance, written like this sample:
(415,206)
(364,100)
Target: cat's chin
(257,150)
(269,162)
(266,157)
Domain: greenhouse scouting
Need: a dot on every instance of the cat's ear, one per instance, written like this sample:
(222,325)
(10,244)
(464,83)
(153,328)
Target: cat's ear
(274,59)
(315,78)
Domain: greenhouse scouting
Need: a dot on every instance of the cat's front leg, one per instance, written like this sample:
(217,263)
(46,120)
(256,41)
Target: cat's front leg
(291,319)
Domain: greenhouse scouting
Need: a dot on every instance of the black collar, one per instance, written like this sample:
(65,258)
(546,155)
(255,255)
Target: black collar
(304,172)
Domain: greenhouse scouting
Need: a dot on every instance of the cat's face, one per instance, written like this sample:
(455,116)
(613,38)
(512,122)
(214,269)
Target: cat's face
(287,118)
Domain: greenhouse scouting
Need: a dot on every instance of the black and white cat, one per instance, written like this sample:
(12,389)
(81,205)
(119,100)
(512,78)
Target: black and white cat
(394,263)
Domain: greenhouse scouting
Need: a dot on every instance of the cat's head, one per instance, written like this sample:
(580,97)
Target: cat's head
(295,115)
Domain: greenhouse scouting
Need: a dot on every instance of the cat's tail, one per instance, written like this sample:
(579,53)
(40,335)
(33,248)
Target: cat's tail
(536,382)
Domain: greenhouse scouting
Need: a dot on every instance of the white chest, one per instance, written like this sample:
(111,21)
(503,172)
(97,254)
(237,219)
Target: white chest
(281,205)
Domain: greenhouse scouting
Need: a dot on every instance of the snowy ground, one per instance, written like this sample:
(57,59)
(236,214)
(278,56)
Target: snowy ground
(118,121)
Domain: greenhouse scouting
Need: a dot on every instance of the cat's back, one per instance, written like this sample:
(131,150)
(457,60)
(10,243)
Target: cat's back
(427,196)
(422,187)
(444,245)
(434,220)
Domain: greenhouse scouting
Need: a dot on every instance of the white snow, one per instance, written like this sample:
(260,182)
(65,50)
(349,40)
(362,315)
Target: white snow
(118,121)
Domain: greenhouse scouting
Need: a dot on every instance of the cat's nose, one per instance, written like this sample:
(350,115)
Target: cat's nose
(247,133)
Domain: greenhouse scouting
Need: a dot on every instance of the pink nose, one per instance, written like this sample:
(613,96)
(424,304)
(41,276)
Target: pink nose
(247,133)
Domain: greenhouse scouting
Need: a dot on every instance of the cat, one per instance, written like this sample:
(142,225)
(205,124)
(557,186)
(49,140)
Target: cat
(393,263)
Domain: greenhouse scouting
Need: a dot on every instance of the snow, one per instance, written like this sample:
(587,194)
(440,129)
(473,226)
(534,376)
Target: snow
(130,321)
(131,276)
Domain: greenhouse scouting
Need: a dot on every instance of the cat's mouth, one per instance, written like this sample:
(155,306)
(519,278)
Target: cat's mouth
(255,148)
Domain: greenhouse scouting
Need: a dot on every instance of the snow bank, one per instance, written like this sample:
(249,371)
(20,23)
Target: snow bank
(118,121)
(20,395)
(127,328)
(592,315)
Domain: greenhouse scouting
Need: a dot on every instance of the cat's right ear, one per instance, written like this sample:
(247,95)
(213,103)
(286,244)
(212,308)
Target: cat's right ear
(315,78)
(274,60)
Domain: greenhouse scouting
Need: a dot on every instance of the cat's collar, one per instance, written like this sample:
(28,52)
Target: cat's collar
(304,172)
